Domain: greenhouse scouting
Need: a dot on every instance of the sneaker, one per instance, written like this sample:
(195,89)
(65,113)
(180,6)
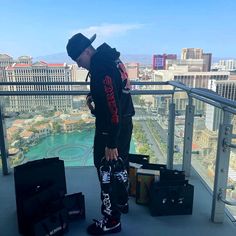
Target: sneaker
(123,208)
(104,226)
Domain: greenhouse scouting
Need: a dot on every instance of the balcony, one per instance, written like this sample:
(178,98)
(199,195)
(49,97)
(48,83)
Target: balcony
(177,130)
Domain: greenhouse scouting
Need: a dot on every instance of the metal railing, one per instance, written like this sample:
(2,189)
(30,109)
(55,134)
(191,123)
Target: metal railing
(224,140)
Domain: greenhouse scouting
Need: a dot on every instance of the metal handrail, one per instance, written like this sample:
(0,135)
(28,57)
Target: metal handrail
(77,92)
(204,93)
(220,197)
(201,94)
(226,201)
(76,83)
(42,83)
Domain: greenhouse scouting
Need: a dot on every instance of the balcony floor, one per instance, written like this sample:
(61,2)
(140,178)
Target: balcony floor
(138,221)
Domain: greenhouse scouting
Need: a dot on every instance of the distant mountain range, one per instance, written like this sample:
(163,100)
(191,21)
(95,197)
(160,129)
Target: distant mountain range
(142,59)
(63,57)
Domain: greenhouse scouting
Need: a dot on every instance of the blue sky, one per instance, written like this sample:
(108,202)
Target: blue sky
(43,27)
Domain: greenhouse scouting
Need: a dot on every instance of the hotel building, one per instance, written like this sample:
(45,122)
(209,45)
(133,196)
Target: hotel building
(39,72)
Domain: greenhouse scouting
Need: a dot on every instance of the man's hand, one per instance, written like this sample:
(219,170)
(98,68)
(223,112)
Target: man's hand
(111,153)
(89,102)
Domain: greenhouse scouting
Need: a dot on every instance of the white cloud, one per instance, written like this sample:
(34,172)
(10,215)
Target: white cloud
(108,30)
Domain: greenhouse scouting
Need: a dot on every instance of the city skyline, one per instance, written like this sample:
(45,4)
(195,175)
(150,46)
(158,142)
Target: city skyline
(154,27)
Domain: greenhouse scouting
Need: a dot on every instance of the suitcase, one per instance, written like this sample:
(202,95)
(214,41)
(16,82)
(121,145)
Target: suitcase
(75,205)
(144,179)
(34,177)
(171,198)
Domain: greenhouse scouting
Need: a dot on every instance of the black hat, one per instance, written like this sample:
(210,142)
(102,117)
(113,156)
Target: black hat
(77,44)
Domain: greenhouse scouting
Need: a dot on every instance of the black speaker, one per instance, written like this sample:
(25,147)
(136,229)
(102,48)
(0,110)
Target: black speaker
(34,178)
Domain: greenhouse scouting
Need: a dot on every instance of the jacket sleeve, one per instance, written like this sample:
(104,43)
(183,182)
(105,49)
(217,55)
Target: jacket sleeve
(112,102)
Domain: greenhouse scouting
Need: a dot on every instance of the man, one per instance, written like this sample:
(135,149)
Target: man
(111,103)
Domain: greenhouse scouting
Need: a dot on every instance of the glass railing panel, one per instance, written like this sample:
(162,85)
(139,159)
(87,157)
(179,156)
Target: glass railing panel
(47,131)
(150,127)
(180,101)
(204,143)
(231,192)
(43,131)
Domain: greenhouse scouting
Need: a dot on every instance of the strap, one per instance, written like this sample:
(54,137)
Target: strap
(61,223)
(46,229)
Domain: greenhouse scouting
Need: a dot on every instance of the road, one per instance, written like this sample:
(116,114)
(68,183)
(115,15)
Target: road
(153,142)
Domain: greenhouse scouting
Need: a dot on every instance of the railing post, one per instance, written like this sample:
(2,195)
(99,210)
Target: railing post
(3,142)
(188,136)
(221,169)
(171,136)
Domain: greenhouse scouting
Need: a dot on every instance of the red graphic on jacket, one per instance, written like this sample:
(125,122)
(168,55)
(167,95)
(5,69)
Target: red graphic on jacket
(111,99)
(124,74)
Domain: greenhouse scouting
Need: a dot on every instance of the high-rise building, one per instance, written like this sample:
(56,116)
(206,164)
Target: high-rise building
(191,65)
(226,89)
(196,54)
(5,60)
(191,79)
(78,74)
(24,60)
(39,72)
(207,58)
(228,65)
(191,53)
(132,70)
(159,61)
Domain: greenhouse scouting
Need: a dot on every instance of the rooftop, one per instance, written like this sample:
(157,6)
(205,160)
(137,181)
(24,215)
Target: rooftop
(209,206)
(138,221)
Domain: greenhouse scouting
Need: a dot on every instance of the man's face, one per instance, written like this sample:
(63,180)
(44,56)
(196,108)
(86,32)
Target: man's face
(84,59)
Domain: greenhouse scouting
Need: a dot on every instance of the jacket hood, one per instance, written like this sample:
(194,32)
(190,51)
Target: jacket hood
(106,53)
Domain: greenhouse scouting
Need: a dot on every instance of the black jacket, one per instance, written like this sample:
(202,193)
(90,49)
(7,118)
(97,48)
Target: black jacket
(109,87)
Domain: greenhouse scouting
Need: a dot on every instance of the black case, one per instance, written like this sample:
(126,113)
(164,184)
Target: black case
(171,198)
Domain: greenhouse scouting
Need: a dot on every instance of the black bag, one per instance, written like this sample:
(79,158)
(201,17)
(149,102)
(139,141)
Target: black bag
(54,224)
(171,175)
(38,204)
(75,205)
(166,199)
(30,179)
(154,166)
(139,158)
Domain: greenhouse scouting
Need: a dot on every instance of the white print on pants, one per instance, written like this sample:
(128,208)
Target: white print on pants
(107,203)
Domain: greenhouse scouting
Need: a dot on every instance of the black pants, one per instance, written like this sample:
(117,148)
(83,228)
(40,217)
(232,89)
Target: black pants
(115,192)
